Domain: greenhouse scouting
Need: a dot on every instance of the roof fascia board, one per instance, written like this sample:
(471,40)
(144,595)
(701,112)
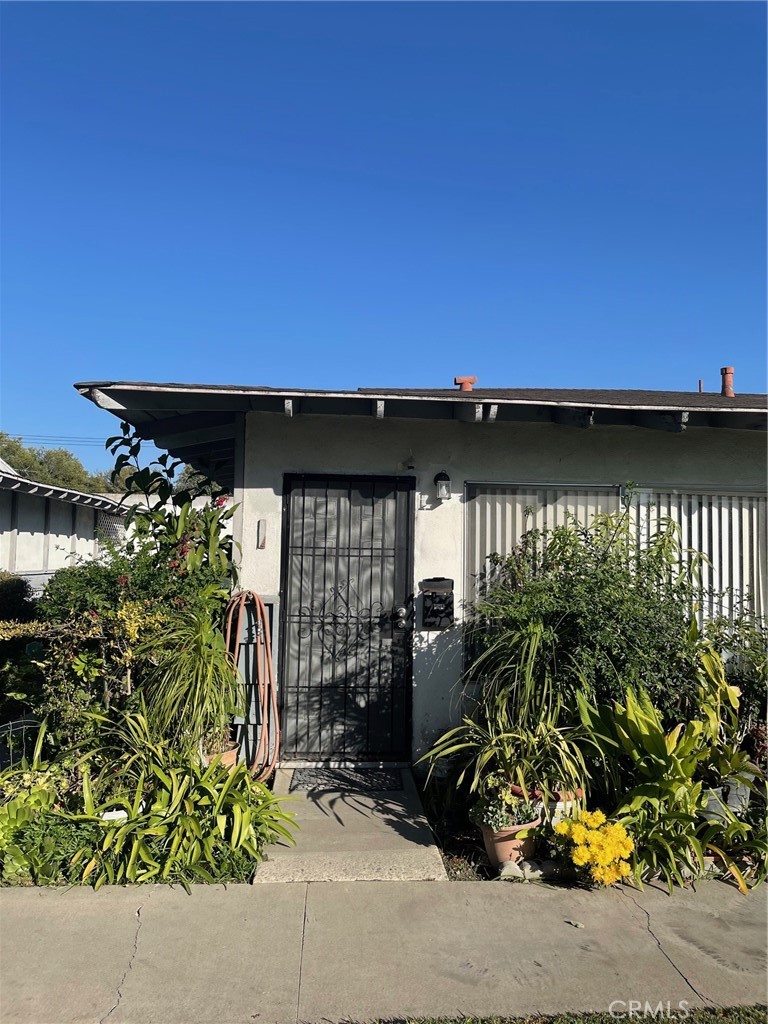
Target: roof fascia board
(106,400)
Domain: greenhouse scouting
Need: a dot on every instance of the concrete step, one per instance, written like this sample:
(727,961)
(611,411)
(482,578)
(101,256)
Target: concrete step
(347,836)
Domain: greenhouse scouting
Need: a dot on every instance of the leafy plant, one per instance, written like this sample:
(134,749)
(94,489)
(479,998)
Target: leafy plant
(663,808)
(515,730)
(165,519)
(26,794)
(194,688)
(44,849)
(497,808)
(610,612)
(182,821)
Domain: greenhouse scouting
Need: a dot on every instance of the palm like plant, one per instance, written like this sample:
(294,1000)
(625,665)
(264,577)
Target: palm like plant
(516,729)
(543,756)
(195,687)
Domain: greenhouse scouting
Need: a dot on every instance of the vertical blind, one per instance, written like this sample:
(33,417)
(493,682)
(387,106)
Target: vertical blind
(729,529)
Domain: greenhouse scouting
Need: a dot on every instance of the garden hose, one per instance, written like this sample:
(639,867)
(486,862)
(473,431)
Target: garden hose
(267,746)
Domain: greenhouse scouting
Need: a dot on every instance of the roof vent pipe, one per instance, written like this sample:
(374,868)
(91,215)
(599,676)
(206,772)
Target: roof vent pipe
(727,389)
(465,383)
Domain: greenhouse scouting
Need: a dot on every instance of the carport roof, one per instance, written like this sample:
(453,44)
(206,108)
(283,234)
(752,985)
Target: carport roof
(198,422)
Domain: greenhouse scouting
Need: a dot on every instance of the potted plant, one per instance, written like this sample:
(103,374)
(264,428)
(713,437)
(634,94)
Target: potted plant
(505,821)
(195,689)
(539,759)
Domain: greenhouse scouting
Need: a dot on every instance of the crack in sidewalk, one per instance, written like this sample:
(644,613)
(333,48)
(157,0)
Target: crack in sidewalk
(129,968)
(301,953)
(663,951)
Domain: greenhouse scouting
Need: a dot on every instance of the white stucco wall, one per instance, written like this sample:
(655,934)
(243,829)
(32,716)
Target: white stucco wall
(498,452)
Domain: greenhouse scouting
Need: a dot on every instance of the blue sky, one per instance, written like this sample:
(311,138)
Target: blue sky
(372,194)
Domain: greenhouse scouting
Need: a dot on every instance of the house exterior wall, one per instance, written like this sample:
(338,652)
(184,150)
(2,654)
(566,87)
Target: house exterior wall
(489,452)
(39,535)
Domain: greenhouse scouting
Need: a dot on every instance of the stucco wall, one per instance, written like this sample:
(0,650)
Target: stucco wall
(500,452)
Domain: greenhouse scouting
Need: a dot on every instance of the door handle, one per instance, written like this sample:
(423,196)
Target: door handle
(401,617)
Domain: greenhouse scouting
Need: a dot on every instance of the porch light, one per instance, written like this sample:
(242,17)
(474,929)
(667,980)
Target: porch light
(443,485)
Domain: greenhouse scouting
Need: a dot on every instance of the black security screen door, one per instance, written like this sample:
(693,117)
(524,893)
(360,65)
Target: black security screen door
(347,618)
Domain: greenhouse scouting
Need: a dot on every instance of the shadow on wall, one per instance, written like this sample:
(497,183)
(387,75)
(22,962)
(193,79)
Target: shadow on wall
(437,683)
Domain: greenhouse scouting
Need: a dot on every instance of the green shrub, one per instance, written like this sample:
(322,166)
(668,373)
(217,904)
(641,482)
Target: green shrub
(611,615)
(98,623)
(104,585)
(15,597)
(47,848)
(133,809)
(183,821)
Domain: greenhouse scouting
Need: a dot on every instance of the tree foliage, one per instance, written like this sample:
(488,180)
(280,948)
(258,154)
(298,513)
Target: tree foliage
(55,466)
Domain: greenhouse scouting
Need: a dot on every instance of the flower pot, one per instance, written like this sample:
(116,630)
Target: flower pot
(564,804)
(507,845)
(228,756)
(533,794)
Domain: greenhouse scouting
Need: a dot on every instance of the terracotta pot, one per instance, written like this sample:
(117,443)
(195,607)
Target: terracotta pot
(228,756)
(505,845)
(533,794)
(568,796)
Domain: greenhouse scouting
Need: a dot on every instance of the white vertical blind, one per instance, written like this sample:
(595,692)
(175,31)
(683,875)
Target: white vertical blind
(729,529)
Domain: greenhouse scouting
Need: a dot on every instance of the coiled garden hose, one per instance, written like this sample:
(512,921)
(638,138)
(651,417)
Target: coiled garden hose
(267,747)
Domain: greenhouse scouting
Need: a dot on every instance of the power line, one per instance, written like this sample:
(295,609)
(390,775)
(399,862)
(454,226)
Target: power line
(57,440)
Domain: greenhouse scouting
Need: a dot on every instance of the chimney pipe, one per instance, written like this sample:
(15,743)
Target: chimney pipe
(465,383)
(727,389)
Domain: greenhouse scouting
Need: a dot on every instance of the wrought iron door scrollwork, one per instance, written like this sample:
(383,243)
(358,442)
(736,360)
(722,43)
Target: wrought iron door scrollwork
(341,623)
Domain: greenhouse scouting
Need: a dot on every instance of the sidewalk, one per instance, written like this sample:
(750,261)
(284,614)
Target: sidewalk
(288,952)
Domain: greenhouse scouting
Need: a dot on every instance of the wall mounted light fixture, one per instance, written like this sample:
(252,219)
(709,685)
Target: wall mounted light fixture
(443,485)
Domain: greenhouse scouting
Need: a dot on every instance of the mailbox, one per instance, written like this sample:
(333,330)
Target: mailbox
(437,598)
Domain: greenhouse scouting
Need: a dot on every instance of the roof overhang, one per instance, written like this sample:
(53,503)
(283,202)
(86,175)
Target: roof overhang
(19,484)
(198,423)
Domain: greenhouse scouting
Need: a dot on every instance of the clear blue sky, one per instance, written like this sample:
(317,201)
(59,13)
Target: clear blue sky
(336,195)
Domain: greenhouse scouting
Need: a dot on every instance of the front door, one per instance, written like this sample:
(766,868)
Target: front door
(347,618)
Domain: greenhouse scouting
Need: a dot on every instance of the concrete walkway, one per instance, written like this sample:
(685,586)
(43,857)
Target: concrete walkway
(282,954)
(349,836)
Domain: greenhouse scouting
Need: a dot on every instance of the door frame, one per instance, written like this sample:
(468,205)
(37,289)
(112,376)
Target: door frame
(410,518)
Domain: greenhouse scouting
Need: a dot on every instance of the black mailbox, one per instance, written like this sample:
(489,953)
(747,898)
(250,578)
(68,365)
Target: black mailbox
(437,596)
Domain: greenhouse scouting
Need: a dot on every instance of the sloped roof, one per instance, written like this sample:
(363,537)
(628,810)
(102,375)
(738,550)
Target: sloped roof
(199,423)
(11,481)
(606,398)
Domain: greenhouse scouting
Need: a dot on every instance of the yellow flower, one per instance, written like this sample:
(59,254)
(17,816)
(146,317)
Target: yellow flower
(563,828)
(580,856)
(579,833)
(594,819)
(624,869)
